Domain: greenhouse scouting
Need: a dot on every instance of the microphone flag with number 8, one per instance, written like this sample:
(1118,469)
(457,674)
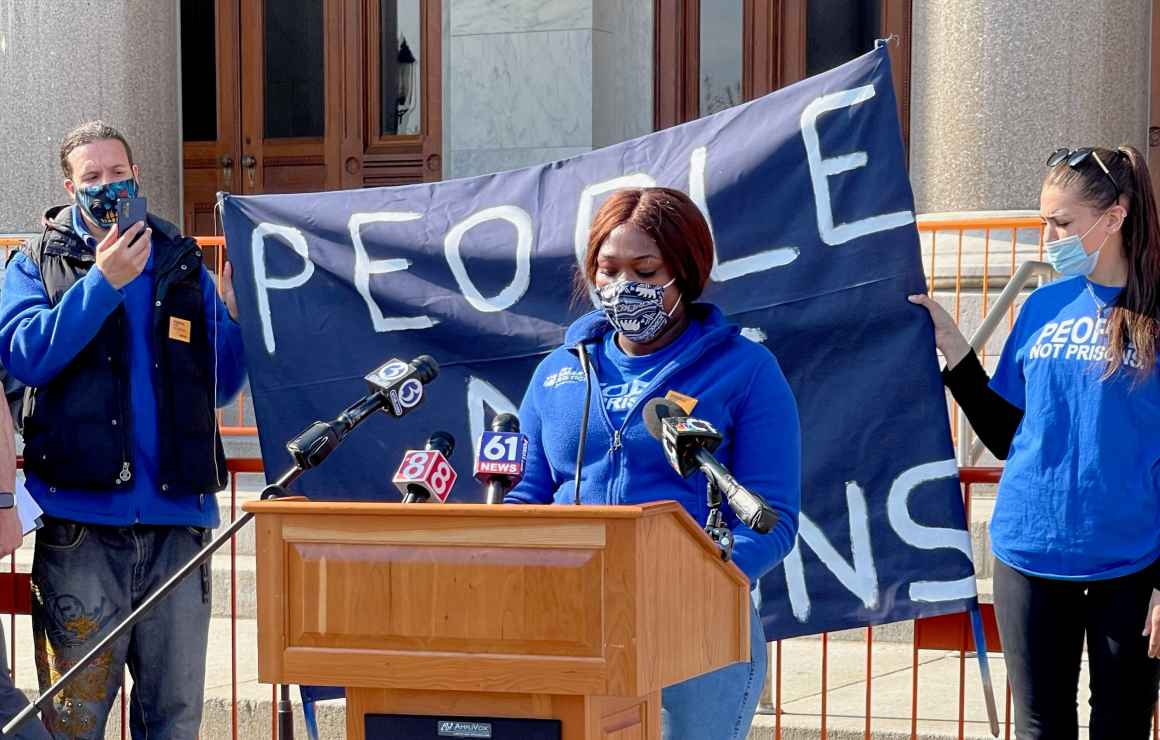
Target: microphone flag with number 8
(424,474)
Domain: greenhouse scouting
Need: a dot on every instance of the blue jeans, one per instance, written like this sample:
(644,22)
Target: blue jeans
(85,580)
(718,705)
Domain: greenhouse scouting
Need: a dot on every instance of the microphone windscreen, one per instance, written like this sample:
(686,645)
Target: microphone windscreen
(505,423)
(442,442)
(426,367)
(656,410)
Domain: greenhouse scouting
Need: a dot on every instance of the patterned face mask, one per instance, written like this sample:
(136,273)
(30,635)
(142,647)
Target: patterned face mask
(100,201)
(637,310)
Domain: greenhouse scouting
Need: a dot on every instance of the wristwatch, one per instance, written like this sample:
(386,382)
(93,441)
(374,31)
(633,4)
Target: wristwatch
(7,500)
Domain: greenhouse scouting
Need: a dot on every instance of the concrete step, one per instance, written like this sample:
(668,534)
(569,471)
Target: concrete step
(242,446)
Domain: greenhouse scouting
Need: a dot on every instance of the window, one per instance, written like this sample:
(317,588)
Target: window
(199,71)
(295,104)
(400,48)
(720,63)
(839,30)
(705,52)
(400,62)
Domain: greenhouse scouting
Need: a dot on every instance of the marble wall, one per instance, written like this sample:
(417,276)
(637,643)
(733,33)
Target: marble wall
(530,81)
(57,71)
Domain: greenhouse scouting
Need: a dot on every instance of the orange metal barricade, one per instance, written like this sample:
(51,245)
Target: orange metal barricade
(995,239)
(233,421)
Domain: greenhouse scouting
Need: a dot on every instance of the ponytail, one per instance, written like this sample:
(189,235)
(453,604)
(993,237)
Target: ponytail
(1135,317)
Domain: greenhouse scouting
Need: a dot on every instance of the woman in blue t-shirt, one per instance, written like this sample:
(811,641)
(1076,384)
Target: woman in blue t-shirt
(649,256)
(1074,408)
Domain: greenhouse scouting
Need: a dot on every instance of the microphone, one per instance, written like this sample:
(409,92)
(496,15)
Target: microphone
(500,457)
(399,385)
(396,387)
(426,473)
(688,445)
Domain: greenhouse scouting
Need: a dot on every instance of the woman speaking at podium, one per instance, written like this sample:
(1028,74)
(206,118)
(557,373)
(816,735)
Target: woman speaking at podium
(648,259)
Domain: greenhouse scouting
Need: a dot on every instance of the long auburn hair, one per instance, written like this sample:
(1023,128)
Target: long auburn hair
(671,219)
(1135,316)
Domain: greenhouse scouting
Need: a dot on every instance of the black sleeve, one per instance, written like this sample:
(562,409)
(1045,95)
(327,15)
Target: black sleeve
(991,416)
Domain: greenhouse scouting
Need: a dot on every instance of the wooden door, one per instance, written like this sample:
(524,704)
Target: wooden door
(306,95)
(210,103)
(286,90)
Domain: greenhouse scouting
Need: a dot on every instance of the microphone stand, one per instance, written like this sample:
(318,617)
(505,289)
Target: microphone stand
(715,523)
(584,365)
(308,449)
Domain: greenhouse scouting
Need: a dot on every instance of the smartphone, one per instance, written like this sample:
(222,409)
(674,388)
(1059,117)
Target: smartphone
(129,212)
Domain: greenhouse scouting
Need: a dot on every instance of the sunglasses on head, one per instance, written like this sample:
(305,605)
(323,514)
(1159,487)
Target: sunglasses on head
(1076,157)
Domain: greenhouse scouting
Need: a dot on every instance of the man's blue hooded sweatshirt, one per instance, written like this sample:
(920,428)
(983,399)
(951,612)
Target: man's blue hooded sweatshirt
(737,386)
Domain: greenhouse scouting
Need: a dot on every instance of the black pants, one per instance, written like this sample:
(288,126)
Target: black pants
(1043,622)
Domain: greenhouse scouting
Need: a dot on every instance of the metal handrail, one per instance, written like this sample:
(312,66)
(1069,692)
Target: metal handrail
(968,448)
(978,220)
(8,241)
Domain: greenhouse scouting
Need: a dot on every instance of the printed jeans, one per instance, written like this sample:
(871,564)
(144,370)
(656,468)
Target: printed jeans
(85,580)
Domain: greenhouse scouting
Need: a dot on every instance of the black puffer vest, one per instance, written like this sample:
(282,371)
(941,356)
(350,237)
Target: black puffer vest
(78,427)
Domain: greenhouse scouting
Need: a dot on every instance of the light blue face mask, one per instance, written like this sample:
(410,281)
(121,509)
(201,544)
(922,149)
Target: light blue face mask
(1068,256)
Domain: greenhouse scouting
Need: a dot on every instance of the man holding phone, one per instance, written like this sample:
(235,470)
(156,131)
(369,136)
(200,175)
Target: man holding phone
(127,349)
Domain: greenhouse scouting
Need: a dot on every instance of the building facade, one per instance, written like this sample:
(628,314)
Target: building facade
(252,96)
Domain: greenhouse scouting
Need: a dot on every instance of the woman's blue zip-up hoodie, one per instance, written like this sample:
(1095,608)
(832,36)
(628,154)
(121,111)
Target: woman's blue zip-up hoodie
(738,387)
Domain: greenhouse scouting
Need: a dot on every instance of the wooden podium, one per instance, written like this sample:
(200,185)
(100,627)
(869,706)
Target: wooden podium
(580,614)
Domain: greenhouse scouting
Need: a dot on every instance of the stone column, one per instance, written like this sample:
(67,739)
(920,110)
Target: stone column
(530,81)
(998,84)
(64,62)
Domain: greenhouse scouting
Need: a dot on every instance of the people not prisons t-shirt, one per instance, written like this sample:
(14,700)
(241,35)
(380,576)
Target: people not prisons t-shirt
(1080,495)
(623,378)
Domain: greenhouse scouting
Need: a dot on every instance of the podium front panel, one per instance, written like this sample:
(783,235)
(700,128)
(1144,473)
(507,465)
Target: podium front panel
(511,599)
(490,600)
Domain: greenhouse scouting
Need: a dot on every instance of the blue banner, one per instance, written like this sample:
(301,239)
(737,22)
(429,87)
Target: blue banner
(806,193)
